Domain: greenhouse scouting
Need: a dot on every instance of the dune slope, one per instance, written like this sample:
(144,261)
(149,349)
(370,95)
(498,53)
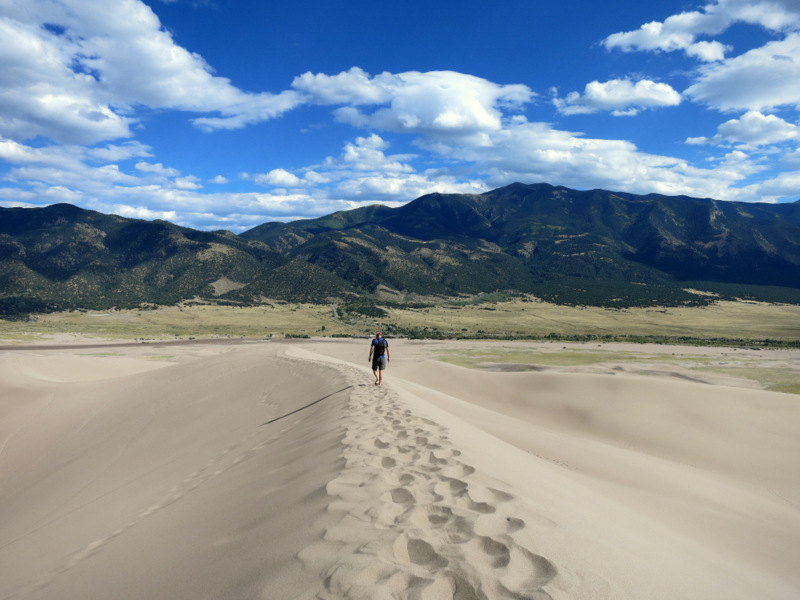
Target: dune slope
(164,483)
(278,470)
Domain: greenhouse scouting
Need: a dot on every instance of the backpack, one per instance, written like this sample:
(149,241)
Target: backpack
(380,347)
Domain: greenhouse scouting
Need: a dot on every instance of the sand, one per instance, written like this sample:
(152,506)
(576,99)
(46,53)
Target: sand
(278,470)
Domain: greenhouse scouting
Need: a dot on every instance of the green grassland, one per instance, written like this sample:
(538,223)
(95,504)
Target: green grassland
(726,324)
(720,323)
(781,377)
(526,318)
(186,321)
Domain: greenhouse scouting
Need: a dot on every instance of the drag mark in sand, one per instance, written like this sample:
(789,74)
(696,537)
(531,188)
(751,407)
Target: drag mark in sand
(409,520)
(228,458)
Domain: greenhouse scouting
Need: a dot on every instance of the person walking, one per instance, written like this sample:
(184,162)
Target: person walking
(378,356)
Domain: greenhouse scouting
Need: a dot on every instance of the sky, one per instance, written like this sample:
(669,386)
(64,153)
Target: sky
(225,114)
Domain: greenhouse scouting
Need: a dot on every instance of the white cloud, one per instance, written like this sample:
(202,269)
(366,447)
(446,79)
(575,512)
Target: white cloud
(248,110)
(436,102)
(189,182)
(78,79)
(83,80)
(279,177)
(680,32)
(760,79)
(792,159)
(526,151)
(708,51)
(41,96)
(366,154)
(754,129)
(620,96)
(782,186)
(364,174)
(113,152)
(156,169)
(396,190)
(68,157)
(775,15)
(354,87)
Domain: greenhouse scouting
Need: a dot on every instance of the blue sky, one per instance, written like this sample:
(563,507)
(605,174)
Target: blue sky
(220,114)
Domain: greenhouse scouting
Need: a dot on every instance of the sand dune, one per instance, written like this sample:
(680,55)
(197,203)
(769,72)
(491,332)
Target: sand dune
(277,470)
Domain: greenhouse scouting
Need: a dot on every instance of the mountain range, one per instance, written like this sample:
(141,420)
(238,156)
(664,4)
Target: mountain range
(590,247)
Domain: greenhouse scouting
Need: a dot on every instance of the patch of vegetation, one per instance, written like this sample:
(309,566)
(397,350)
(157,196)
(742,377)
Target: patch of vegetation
(362,309)
(776,380)
(19,308)
(474,358)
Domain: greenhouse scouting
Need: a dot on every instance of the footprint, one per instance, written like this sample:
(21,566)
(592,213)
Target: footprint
(430,515)
(481,507)
(526,573)
(460,531)
(452,487)
(458,470)
(402,496)
(418,552)
(498,553)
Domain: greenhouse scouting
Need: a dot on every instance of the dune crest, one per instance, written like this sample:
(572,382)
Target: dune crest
(412,520)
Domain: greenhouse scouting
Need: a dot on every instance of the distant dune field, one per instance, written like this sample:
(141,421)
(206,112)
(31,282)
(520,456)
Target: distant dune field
(277,469)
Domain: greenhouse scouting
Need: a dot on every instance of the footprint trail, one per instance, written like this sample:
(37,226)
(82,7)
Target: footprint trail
(408,519)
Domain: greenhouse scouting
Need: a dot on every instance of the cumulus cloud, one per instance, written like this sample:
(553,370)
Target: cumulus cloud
(537,152)
(364,173)
(436,102)
(754,129)
(364,157)
(708,51)
(83,79)
(157,169)
(355,87)
(680,32)
(78,79)
(189,182)
(278,177)
(760,79)
(621,97)
(41,96)
(367,154)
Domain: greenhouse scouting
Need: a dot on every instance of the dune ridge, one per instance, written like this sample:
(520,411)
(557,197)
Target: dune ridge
(410,519)
(621,481)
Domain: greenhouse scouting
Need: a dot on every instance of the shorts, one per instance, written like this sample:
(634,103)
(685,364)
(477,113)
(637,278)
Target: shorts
(378,362)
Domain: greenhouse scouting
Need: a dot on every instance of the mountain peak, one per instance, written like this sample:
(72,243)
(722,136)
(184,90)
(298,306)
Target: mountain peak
(566,245)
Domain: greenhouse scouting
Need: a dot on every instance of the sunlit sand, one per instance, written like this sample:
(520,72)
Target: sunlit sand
(277,470)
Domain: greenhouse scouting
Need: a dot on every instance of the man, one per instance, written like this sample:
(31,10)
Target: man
(379,356)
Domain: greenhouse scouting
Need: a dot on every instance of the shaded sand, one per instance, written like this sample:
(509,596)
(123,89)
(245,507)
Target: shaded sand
(163,484)
(163,473)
